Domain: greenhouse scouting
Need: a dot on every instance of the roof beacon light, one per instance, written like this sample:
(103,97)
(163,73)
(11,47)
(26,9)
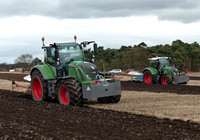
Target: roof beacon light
(186,71)
(75,37)
(42,38)
(43,41)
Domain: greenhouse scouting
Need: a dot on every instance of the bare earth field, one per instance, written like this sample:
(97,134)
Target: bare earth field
(145,112)
(161,105)
(194,80)
(194,74)
(23,118)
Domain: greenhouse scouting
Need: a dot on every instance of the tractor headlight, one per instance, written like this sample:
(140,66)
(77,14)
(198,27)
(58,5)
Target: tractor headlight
(88,77)
(99,77)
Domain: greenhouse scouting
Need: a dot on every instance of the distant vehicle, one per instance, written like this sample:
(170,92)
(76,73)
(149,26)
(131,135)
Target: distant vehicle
(28,69)
(160,71)
(117,71)
(129,70)
(11,70)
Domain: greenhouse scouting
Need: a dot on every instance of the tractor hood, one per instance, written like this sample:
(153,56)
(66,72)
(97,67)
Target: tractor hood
(89,69)
(174,70)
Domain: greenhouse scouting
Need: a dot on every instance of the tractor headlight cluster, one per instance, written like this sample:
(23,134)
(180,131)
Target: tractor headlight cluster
(99,77)
(88,77)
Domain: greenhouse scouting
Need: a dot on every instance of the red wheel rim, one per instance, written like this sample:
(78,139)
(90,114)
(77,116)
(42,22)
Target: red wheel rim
(64,95)
(147,78)
(37,88)
(164,81)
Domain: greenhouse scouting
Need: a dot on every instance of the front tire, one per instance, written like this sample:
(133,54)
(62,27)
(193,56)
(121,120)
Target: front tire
(166,80)
(38,87)
(69,92)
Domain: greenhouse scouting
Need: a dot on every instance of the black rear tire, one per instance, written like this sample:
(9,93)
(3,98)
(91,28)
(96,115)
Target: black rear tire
(114,99)
(39,89)
(184,83)
(69,92)
(110,99)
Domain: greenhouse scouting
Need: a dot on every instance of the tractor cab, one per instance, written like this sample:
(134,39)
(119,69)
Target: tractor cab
(66,52)
(159,62)
(60,56)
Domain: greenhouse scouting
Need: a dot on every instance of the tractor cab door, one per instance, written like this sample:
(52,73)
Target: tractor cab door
(153,63)
(49,55)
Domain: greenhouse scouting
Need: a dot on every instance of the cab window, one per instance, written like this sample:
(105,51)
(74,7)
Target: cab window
(153,63)
(51,60)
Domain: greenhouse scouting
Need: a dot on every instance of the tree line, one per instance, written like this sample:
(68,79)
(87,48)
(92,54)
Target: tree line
(187,56)
(135,57)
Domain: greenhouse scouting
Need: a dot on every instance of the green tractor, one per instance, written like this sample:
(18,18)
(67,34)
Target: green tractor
(160,71)
(68,77)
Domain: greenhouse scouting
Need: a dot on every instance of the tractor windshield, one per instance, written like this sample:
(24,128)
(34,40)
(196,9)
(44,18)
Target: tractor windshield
(164,62)
(70,52)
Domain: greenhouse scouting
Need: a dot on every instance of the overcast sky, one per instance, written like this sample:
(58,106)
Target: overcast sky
(111,23)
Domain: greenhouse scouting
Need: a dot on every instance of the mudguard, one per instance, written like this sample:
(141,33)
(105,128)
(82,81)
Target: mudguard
(152,70)
(45,70)
(65,77)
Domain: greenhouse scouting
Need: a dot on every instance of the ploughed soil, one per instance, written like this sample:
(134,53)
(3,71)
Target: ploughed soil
(158,88)
(132,86)
(194,78)
(13,76)
(23,118)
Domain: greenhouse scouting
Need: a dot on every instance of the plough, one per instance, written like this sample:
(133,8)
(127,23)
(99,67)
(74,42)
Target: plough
(136,76)
(28,87)
(14,85)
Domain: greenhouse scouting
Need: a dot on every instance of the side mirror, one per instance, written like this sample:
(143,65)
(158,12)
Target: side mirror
(95,48)
(158,63)
(174,60)
(49,54)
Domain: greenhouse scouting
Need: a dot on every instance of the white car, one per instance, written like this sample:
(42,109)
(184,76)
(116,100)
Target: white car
(118,71)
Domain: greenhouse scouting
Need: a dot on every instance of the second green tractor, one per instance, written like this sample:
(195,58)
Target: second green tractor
(160,71)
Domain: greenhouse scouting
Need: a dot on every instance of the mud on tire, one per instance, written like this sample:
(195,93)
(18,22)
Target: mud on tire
(69,92)
(39,89)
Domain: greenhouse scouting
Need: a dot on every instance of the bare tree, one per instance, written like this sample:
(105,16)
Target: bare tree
(24,58)
(24,61)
